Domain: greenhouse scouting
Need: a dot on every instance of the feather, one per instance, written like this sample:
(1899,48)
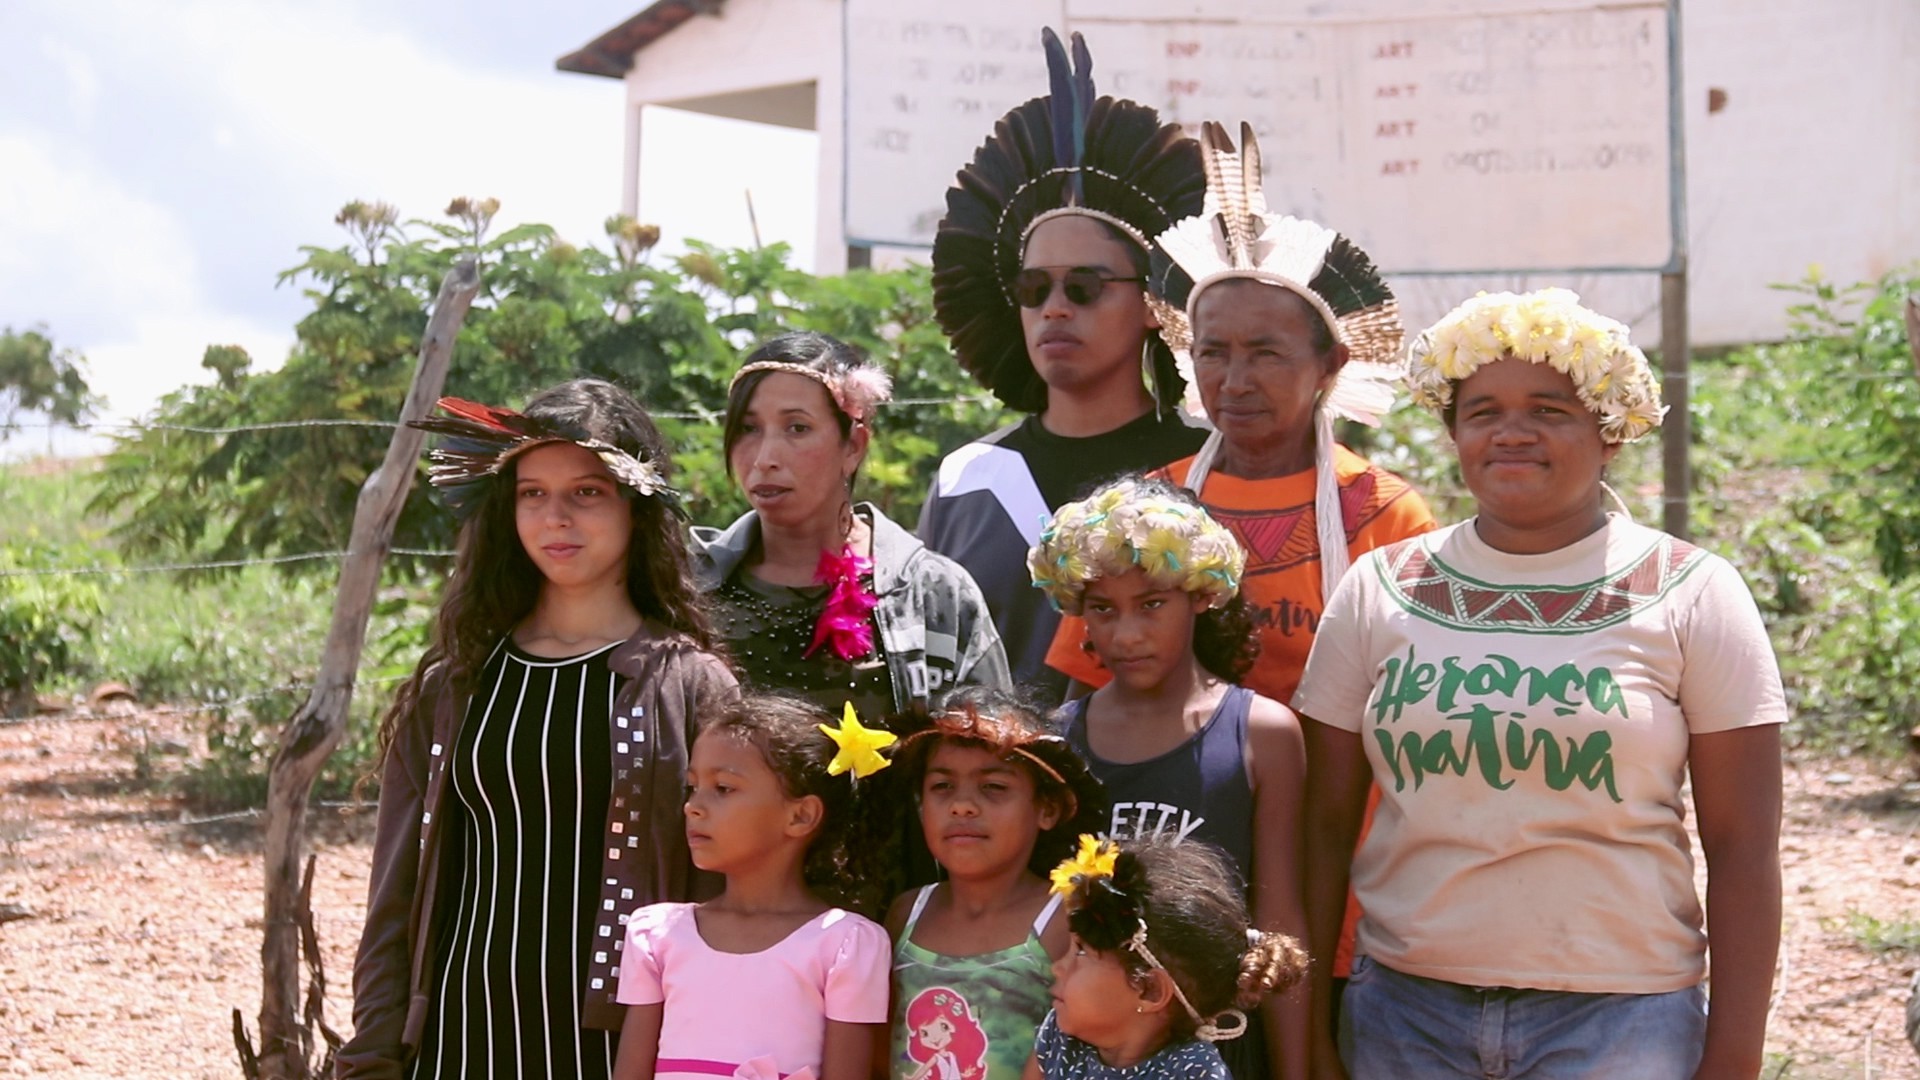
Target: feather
(502,420)
(1060,100)
(1082,99)
(1224,183)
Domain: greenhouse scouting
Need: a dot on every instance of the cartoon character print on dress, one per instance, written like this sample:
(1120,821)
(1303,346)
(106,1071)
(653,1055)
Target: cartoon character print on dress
(944,1036)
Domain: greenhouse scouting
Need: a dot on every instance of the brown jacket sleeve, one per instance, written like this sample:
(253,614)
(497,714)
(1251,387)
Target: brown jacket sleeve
(382,970)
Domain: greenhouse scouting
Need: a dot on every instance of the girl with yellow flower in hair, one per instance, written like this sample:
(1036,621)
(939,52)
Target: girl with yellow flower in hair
(778,976)
(1185,753)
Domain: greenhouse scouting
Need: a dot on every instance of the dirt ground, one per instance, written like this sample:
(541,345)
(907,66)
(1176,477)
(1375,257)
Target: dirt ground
(144,926)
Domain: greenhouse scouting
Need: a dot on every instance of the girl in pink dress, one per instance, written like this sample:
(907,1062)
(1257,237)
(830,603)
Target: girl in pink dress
(777,978)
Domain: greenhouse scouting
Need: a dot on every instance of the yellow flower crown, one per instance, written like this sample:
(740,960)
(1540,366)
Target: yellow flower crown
(1550,327)
(1127,525)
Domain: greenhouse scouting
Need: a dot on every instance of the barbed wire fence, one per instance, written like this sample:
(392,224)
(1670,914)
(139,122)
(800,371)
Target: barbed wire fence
(203,707)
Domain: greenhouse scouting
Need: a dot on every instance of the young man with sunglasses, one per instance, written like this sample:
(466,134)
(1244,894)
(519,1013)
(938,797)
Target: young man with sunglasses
(1040,280)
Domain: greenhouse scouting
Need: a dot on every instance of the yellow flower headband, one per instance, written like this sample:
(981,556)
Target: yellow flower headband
(859,745)
(1099,907)
(1126,525)
(1550,327)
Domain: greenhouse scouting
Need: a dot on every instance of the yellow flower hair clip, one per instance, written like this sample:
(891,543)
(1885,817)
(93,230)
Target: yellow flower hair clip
(859,745)
(1095,859)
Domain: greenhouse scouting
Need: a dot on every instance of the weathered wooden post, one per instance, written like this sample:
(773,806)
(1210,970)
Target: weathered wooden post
(317,728)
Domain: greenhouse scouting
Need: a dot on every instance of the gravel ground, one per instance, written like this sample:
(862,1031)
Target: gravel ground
(144,931)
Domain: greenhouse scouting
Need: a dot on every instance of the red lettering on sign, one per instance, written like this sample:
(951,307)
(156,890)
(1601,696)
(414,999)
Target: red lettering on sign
(1393,50)
(1400,167)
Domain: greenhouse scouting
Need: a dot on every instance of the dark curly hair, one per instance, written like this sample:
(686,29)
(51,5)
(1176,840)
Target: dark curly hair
(495,584)
(1189,897)
(850,861)
(1009,726)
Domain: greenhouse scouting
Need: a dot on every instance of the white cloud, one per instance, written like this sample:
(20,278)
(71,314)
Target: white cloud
(82,80)
(79,247)
(315,104)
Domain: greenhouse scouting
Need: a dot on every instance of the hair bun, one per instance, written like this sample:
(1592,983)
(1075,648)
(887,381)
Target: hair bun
(1273,964)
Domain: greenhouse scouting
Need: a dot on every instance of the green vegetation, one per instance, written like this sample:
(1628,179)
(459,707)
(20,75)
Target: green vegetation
(1807,457)
(1882,935)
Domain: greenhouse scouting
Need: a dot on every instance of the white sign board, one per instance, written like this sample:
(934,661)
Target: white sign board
(1445,137)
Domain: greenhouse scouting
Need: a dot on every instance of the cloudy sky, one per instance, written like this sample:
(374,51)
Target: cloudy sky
(161,162)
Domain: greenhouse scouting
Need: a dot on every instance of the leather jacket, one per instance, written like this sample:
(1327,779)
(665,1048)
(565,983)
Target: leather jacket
(667,685)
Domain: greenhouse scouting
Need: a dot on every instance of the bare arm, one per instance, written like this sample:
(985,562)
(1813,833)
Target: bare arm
(896,924)
(1736,795)
(1032,1071)
(1278,760)
(1338,776)
(639,1042)
(848,1053)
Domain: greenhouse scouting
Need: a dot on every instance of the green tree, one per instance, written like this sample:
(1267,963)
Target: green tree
(672,331)
(36,377)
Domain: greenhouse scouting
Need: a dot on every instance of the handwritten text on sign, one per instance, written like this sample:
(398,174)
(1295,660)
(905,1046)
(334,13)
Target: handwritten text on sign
(1458,143)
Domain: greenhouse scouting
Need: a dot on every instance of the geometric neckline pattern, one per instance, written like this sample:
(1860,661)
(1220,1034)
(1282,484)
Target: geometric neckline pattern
(1429,588)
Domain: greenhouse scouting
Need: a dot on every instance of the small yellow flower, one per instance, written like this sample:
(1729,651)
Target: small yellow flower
(1095,859)
(860,746)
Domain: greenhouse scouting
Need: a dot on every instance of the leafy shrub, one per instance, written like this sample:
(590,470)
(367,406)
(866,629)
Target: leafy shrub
(42,617)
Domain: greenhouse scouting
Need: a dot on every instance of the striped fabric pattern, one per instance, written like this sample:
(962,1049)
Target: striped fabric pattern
(530,784)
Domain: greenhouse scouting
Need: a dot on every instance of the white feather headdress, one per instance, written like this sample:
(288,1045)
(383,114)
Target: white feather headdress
(1236,237)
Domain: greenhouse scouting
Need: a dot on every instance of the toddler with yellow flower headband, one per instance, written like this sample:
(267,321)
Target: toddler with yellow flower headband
(1162,966)
(1185,753)
(778,976)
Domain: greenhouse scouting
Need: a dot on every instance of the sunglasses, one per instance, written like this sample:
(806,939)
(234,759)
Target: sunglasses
(1083,286)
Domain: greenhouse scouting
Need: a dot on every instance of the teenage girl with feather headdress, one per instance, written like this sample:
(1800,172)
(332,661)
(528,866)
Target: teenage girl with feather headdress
(1185,753)
(530,779)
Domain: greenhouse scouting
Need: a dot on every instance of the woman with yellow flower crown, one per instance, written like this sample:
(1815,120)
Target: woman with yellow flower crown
(1185,753)
(1530,690)
(776,806)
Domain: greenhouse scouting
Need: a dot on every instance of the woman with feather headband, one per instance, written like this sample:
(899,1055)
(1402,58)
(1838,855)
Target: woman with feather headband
(531,767)
(820,596)
(1284,327)
(1039,280)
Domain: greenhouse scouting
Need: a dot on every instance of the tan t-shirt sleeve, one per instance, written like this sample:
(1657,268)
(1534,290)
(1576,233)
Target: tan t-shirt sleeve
(1338,678)
(1730,677)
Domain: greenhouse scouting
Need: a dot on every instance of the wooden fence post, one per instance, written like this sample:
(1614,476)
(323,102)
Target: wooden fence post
(317,728)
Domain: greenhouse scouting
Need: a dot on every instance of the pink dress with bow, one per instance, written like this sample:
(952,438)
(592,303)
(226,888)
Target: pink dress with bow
(756,1016)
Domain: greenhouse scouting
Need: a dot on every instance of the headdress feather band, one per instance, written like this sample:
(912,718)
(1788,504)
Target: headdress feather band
(1236,238)
(1067,153)
(480,441)
(858,390)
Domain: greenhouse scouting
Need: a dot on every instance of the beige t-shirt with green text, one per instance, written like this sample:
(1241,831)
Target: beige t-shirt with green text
(1527,718)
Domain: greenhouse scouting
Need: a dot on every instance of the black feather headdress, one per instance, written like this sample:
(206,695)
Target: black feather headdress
(1109,158)
(478,441)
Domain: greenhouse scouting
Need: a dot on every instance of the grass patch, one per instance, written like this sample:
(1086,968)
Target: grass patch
(1878,935)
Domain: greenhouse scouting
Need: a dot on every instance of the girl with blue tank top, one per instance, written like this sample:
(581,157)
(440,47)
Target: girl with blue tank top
(1001,797)
(1186,755)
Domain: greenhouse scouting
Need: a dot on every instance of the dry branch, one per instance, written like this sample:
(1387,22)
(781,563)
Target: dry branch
(317,728)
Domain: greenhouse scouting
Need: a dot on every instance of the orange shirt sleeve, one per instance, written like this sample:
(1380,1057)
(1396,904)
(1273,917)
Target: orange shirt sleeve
(1067,657)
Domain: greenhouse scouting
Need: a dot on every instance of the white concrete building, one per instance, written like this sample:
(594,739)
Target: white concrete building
(1801,140)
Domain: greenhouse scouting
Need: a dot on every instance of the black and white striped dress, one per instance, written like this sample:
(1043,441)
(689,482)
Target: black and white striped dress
(529,781)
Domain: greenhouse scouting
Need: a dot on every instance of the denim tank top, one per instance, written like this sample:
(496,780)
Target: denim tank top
(968,1017)
(1195,791)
